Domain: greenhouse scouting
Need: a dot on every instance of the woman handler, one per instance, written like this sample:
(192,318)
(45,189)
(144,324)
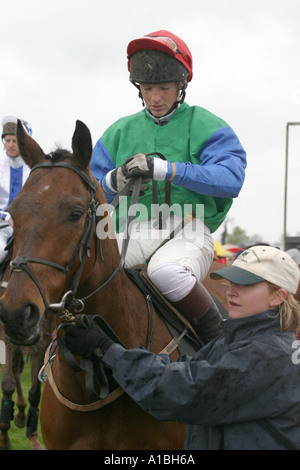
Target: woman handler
(242,389)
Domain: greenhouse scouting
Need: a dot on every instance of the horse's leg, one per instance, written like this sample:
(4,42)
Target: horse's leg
(7,405)
(20,415)
(34,396)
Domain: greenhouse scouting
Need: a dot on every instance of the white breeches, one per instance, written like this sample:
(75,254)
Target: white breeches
(176,265)
(5,234)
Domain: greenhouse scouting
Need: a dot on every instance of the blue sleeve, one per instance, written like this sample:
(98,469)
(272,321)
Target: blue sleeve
(221,172)
(101,164)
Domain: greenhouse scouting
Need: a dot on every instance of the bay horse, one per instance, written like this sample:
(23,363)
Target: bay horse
(57,256)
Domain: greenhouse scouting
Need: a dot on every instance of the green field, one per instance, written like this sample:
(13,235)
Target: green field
(18,438)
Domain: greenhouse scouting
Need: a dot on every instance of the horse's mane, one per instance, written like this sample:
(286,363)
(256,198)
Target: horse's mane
(58,155)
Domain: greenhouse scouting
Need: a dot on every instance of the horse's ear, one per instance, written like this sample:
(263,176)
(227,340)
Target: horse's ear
(82,144)
(29,149)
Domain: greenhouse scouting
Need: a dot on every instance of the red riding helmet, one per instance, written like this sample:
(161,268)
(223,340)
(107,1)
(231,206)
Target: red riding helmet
(147,60)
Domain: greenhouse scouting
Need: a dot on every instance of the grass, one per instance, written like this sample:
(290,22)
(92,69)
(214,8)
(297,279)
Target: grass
(18,438)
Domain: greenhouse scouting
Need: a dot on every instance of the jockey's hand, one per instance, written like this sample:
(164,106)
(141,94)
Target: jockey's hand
(146,167)
(117,178)
(83,341)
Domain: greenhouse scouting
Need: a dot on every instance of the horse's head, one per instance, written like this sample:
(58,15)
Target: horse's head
(54,233)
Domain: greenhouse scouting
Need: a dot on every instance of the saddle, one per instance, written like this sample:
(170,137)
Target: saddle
(184,336)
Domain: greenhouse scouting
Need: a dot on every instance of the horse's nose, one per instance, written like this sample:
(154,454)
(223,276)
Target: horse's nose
(24,317)
(23,325)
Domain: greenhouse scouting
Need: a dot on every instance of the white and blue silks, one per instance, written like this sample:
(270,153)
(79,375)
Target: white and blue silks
(13,174)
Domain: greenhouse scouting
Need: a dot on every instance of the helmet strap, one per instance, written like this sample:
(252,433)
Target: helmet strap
(141,96)
(182,93)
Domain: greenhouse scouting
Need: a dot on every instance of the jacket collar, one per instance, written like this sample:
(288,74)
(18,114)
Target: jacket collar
(15,162)
(242,328)
(161,121)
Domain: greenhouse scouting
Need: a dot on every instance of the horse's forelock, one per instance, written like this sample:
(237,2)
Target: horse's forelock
(58,155)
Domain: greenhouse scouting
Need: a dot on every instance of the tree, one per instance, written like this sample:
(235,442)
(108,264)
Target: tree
(237,236)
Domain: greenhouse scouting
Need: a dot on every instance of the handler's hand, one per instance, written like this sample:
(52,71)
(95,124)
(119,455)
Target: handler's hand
(83,341)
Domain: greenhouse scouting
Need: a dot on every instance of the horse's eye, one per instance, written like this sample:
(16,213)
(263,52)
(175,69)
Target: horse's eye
(75,215)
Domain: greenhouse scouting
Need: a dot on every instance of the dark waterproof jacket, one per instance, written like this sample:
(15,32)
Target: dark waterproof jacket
(240,391)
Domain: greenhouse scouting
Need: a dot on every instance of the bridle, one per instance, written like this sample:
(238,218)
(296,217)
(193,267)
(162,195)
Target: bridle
(69,306)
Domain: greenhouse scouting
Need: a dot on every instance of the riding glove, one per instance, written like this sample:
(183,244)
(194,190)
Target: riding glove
(147,167)
(83,341)
(117,179)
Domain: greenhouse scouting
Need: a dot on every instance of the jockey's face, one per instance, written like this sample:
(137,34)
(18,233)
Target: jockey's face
(11,145)
(159,98)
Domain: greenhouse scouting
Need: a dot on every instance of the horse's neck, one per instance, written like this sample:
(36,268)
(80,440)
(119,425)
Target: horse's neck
(122,306)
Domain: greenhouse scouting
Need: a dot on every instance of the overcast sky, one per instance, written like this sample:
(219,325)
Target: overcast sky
(66,59)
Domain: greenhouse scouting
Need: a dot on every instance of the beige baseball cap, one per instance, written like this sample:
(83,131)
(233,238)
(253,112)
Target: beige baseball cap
(262,263)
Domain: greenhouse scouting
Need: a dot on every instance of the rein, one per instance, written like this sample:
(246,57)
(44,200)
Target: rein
(74,306)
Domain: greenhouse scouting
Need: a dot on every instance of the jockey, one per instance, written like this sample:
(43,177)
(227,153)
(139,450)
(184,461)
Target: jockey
(13,174)
(204,161)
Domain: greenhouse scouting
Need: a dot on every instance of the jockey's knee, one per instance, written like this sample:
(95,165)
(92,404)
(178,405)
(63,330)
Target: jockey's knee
(173,280)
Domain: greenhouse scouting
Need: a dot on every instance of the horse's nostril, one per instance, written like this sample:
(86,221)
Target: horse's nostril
(30,316)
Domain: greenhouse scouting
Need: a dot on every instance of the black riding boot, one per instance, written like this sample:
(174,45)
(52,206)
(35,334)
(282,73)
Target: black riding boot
(201,311)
